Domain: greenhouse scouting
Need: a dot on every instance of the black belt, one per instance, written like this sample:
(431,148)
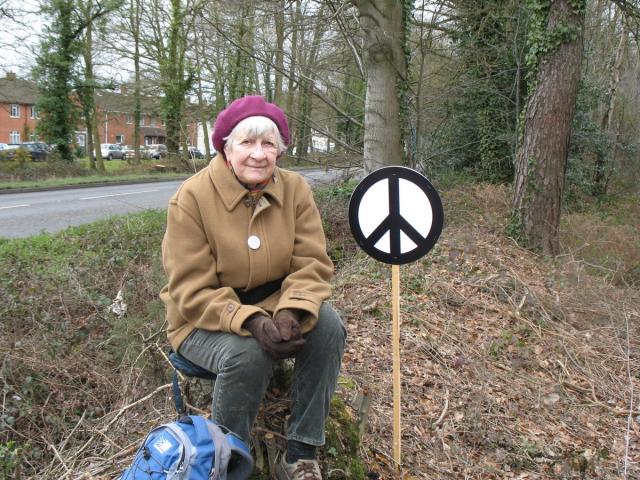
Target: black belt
(257,294)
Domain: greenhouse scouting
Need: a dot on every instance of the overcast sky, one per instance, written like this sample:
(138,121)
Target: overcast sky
(19,36)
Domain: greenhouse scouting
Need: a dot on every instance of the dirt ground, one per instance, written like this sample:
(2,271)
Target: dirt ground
(513,365)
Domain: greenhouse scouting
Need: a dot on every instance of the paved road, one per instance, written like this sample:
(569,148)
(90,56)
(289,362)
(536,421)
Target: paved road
(26,214)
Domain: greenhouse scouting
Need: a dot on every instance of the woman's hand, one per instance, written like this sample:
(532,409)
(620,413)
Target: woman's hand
(288,324)
(267,335)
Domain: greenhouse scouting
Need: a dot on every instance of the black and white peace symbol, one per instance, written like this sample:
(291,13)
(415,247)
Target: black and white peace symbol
(396,215)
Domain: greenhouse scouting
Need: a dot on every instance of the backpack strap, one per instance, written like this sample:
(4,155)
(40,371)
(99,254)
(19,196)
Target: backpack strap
(183,468)
(177,394)
(222,450)
(242,461)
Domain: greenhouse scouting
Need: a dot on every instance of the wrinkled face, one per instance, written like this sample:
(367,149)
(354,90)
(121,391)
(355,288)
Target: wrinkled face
(252,157)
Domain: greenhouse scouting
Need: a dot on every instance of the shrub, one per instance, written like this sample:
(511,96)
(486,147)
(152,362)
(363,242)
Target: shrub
(333,203)
(10,457)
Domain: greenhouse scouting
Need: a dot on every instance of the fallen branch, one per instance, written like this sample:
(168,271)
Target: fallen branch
(57,454)
(131,405)
(180,375)
(104,429)
(444,410)
(66,440)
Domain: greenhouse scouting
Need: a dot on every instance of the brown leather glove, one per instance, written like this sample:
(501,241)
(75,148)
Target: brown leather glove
(288,323)
(266,334)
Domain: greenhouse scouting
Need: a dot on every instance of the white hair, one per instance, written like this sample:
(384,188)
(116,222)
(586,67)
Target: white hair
(255,127)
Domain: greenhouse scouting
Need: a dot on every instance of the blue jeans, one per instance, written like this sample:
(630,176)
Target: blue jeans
(243,372)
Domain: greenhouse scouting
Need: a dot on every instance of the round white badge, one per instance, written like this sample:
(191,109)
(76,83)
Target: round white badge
(253,242)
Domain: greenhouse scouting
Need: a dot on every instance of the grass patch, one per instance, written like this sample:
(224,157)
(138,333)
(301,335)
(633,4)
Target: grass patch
(43,175)
(88,180)
(52,174)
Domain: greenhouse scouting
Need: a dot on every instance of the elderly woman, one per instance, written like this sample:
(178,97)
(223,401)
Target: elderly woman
(248,276)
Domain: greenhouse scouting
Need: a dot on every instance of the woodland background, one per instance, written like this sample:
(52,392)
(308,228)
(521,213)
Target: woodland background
(519,347)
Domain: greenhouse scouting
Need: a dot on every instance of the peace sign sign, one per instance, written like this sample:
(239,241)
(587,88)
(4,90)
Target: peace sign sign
(396,215)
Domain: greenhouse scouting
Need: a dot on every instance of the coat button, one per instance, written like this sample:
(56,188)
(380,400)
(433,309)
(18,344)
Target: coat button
(231,307)
(253,242)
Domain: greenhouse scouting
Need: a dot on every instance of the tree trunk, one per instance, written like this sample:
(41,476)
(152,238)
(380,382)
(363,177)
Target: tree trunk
(304,135)
(279,61)
(542,157)
(204,114)
(93,150)
(382,24)
(177,78)
(293,64)
(237,88)
(603,162)
(136,19)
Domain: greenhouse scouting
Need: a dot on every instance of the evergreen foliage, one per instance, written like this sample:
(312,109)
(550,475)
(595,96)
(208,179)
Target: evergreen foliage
(349,96)
(481,117)
(56,73)
(177,76)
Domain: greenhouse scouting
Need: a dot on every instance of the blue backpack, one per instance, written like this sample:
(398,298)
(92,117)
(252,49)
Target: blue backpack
(193,448)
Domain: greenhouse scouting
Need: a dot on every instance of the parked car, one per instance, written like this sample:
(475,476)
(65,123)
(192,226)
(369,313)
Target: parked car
(8,150)
(194,152)
(111,151)
(144,151)
(157,151)
(128,151)
(37,151)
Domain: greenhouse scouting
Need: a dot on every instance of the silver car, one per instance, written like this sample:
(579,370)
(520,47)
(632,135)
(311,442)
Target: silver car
(112,150)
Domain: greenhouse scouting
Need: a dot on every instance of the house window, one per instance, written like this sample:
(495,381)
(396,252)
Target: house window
(120,139)
(129,118)
(141,120)
(152,122)
(34,112)
(15,110)
(14,137)
(80,139)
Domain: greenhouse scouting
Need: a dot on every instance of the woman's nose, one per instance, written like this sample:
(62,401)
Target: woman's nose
(258,151)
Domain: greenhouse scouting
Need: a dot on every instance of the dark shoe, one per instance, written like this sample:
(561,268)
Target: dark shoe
(300,470)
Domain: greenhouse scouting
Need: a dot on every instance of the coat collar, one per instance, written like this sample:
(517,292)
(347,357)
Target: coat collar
(230,189)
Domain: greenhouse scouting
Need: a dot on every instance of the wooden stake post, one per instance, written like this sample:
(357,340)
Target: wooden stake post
(395,304)
(396,216)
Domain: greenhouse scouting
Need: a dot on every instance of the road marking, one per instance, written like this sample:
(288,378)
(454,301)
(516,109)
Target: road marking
(118,194)
(16,206)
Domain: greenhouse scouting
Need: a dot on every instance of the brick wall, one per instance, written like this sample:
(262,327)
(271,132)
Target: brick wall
(24,124)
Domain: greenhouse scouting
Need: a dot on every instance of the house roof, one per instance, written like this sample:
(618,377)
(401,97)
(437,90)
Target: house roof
(156,131)
(17,90)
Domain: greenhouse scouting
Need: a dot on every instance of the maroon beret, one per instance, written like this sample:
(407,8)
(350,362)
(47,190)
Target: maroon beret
(242,108)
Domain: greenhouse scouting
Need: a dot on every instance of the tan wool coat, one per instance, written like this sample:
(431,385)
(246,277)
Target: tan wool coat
(205,251)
